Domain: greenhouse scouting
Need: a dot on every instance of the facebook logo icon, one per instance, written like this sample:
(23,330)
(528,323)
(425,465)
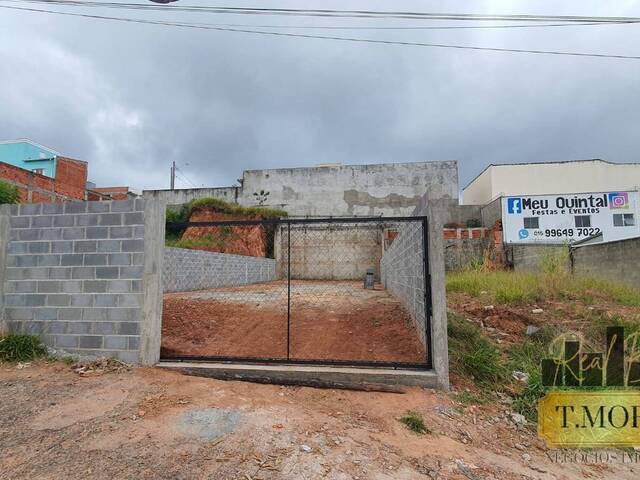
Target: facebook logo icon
(514,205)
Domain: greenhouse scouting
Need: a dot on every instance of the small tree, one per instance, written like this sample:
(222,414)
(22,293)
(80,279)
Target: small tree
(261,197)
(9,193)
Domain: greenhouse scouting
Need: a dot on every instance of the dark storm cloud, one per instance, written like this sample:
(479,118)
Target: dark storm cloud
(131,98)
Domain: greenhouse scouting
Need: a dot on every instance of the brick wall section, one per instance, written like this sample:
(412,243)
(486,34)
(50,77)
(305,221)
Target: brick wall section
(185,270)
(71,177)
(74,275)
(36,188)
(618,261)
(402,272)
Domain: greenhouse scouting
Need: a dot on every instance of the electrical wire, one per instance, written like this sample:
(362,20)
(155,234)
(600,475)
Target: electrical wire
(184,177)
(327,37)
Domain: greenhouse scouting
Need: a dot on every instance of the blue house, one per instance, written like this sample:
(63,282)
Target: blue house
(30,156)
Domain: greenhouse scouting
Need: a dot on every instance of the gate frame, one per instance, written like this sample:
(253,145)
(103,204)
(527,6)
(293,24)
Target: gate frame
(428,308)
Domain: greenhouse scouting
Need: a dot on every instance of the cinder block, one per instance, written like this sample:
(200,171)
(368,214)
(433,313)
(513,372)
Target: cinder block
(84,246)
(81,300)
(62,273)
(62,247)
(75,207)
(34,273)
(134,343)
(49,286)
(32,328)
(80,273)
(63,221)
(95,286)
(97,232)
(51,234)
(73,260)
(118,286)
(104,328)
(34,300)
(66,341)
(86,220)
(20,222)
(139,204)
(122,205)
(55,327)
(136,286)
(52,208)
(106,300)
(121,232)
(47,314)
(17,313)
(30,208)
(110,219)
(71,286)
(119,259)
(129,300)
(138,231)
(106,272)
(74,233)
(137,259)
(134,218)
(39,247)
(58,300)
(48,260)
(133,273)
(123,314)
(18,248)
(98,207)
(79,328)
(21,287)
(95,314)
(70,314)
(29,234)
(95,259)
(91,341)
(133,245)
(15,300)
(43,221)
(108,246)
(22,260)
(129,328)
(115,343)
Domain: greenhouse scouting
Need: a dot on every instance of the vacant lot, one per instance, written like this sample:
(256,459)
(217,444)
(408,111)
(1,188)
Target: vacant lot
(337,320)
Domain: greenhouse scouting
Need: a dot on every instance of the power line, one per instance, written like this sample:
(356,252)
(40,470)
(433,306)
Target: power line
(184,177)
(337,13)
(327,37)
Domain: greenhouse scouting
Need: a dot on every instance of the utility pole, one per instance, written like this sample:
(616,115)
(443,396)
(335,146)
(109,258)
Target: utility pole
(173,175)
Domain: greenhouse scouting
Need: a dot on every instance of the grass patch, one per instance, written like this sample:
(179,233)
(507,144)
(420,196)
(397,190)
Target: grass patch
(415,423)
(473,354)
(21,348)
(516,288)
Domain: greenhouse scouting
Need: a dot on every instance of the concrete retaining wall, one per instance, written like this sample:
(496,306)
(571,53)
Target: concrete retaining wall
(402,273)
(618,261)
(185,270)
(74,275)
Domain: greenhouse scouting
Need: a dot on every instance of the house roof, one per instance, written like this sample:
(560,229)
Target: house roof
(26,140)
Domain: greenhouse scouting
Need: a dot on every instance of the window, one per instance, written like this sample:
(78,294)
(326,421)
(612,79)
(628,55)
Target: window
(531,222)
(623,220)
(583,221)
(38,170)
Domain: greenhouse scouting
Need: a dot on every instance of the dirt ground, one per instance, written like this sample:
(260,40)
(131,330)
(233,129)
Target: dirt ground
(155,424)
(337,320)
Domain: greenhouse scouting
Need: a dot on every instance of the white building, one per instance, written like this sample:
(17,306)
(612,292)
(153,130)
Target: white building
(580,176)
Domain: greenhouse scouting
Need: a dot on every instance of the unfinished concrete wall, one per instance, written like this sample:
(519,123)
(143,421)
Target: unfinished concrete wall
(185,270)
(74,275)
(402,273)
(618,261)
(330,251)
(385,189)
(462,253)
(529,258)
(174,198)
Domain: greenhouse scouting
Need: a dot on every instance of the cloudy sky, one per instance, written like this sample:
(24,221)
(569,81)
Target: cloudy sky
(130,98)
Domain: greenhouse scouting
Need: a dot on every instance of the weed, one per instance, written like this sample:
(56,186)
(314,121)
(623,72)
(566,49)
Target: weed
(21,348)
(415,423)
(467,397)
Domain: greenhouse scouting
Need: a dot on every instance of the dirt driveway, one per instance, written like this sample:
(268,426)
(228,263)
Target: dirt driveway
(154,424)
(330,320)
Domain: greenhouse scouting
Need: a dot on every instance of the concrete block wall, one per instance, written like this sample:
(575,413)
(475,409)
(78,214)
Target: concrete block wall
(402,273)
(618,261)
(529,258)
(184,270)
(74,275)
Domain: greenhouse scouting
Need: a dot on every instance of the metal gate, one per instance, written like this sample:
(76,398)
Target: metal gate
(333,291)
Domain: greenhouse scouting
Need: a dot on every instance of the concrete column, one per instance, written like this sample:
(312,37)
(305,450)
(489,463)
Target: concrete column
(435,211)
(151,322)
(4,242)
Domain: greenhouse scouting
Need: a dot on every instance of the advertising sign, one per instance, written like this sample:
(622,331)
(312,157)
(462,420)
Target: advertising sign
(569,218)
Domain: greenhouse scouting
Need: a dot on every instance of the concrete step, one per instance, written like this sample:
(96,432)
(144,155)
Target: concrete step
(310,374)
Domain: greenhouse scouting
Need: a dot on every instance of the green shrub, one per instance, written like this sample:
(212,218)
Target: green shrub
(9,193)
(21,348)
(415,423)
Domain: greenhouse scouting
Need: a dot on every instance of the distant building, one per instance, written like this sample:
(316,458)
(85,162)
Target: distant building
(578,176)
(43,175)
